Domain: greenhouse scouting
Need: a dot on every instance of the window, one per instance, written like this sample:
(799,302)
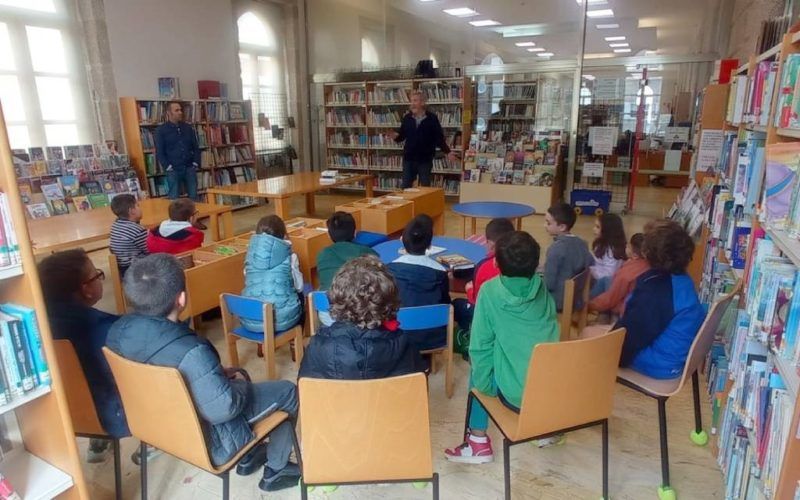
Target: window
(262,78)
(43,87)
(369,54)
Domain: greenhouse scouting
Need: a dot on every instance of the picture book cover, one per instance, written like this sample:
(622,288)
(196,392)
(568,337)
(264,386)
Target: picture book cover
(168,87)
(519,177)
(70,185)
(120,187)
(781,174)
(52,192)
(91,187)
(454,261)
(475,175)
(86,150)
(55,167)
(97,200)
(111,147)
(37,154)
(54,152)
(81,203)
(38,211)
(134,187)
(72,152)
(59,206)
(25,191)
(20,156)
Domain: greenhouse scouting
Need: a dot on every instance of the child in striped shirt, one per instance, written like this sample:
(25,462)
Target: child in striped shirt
(128,239)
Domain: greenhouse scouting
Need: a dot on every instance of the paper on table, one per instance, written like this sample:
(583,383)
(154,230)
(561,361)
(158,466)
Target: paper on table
(433,250)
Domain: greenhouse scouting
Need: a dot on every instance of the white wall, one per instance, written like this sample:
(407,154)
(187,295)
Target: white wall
(189,39)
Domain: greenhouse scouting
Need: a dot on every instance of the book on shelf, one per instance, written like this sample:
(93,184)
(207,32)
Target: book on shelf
(24,366)
(782,162)
(81,203)
(38,210)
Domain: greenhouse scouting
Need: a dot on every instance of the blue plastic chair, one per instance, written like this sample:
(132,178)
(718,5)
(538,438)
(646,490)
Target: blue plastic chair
(236,307)
(317,303)
(427,317)
(370,239)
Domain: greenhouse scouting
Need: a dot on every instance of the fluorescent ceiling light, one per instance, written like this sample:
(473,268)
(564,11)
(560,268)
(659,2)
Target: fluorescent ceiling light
(612,26)
(591,2)
(536,49)
(618,45)
(545,54)
(621,51)
(461,12)
(600,13)
(589,77)
(614,38)
(598,55)
(525,44)
(484,22)
(650,52)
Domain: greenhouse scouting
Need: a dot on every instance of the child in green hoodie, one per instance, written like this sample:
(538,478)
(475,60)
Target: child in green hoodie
(514,313)
(342,230)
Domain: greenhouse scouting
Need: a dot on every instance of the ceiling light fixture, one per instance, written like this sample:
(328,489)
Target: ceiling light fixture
(621,51)
(484,22)
(545,54)
(591,2)
(614,38)
(612,26)
(600,13)
(525,44)
(461,12)
(536,49)
(618,45)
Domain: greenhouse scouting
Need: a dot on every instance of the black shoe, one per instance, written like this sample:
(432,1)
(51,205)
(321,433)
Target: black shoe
(252,460)
(287,477)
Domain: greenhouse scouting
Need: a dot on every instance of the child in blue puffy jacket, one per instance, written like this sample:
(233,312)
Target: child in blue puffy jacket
(272,274)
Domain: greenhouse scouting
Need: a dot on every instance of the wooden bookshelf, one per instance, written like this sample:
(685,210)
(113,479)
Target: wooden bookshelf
(217,133)
(49,464)
(356,127)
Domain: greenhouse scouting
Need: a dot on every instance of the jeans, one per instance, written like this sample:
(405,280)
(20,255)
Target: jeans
(261,396)
(182,175)
(463,312)
(478,418)
(413,168)
(600,286)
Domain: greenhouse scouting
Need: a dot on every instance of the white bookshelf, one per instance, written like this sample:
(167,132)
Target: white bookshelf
(11,271)
(32,477)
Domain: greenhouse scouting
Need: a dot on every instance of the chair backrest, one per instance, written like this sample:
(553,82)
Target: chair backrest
(705,336)
(576,299)
(317,303)
(79,398)
(116,282)
(424,317)
(570,384)
(236,307)
(365,430)
(159,409)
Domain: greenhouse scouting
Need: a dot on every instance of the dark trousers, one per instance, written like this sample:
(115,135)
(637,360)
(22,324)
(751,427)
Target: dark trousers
(463,312)
(412,169)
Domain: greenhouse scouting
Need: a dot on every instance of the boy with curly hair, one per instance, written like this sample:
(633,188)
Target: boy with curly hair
(364,342)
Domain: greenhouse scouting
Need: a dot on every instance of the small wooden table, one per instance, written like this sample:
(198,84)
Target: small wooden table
(281,189)
(80,228)
(428,201)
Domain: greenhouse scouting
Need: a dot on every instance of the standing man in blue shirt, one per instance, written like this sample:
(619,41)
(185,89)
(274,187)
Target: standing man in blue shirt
(422,132)
(177,152)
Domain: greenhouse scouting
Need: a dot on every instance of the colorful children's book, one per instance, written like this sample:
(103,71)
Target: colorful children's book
(38,210)
(52,191)
(69,185)
(86,151)
(782,164)
(59,206)
(72,152)
(91,187)
(81,203)
(25,191)
(37,154)
(54,152)
(97,200)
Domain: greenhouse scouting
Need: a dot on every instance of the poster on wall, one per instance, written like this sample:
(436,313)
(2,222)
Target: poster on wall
(676,134)
(602,140)
(593,169)
(710,149)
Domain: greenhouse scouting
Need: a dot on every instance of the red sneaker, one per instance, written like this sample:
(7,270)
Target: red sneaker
(472,451)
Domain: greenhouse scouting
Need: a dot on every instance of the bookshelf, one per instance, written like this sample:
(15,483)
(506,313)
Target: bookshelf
(46,464)
(757,357)
(359,116)
(224,131)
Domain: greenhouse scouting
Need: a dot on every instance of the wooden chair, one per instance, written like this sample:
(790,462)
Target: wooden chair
(82,411)
(576,293)
(365,432)
(161,414)
(570,386)
(427,317)
(235,307)
(661,390)
(116,282)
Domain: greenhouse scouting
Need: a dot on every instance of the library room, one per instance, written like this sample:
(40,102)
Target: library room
(318,249)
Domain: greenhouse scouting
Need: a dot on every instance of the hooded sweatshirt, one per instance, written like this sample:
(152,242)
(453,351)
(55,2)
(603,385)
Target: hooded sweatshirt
(174,236)
(512,316)
(330,259)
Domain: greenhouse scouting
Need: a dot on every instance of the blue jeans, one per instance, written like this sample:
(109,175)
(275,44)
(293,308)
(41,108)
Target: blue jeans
(478,418)
(600,286)
(182,175)
(411,169)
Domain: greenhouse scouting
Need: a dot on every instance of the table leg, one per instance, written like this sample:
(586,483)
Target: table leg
(282,207)
(463,227)
(474,226)
(227,223)
(438,225)
(310,205)
(369,188)
(519,223)
(213,220)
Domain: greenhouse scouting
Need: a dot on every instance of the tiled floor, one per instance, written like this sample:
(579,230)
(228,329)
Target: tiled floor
(565,472)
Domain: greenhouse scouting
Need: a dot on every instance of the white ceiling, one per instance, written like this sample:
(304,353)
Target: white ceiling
(674,27)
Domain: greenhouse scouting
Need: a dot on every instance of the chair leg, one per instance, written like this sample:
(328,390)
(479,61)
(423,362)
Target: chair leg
(507,468)
(448,372)
(226,485)
(269,357)
(698,419)
(117,470)
(435,486)
(662,430)
(605,459)
(233,353)
(303,490)
(298,347)
(470,402)
(143,468)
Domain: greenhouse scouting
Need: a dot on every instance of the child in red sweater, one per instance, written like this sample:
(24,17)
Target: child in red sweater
(613,299)
(176,234)
(484,271)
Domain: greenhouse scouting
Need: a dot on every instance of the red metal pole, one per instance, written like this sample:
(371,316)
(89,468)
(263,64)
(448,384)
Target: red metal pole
(638,137)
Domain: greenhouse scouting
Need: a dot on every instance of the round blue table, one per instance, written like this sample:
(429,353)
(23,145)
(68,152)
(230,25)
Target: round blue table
(390,250)
(475,210)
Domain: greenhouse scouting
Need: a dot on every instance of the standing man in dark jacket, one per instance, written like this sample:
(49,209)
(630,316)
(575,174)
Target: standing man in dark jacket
(177,152)
(422,133)
(155,289)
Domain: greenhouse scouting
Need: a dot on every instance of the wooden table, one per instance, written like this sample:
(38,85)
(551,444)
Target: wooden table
(282,189)
(80,228)
(428,201)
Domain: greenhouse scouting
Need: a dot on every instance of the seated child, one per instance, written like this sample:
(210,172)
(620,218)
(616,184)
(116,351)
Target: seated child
(514,313)
(128,239)
(608,250)
(342,230)
(176,234)
(153,334)
(364,341)
(485,270)
(71,286)
(613,299)
(568,255)
(422,281)
(272,274)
